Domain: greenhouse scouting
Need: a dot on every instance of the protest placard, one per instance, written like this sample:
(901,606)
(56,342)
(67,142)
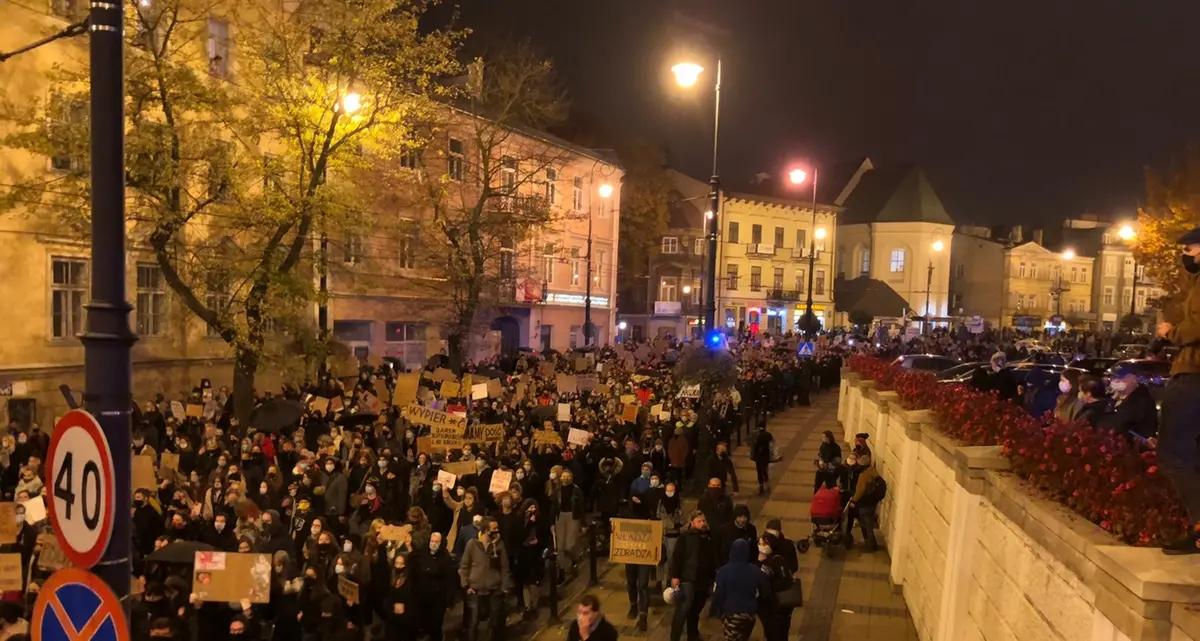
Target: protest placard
(405,391)
(629,414)
(578,437)
(656,410)
(450,389)
(433,418)
(690,391)
(636,541)
(11,572)
(168,464)
(518,394)
(9,528)
(604,389)
(336,404)
(194,410)
(319,404)
(460,468)
(565,383)
(51,556)
(490,433)
(582,364)
(177,410)
(442,374)
(348,590)
(547,437)
(628,399)
(501,480)
(143,473)
(546,369)
(564,411)
(231,577)
(397,533)
(494,388)
(35,510)
(446,479)
(587,382)
(479,391)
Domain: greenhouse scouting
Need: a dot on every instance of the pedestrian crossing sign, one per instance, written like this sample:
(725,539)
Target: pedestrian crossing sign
(806,350)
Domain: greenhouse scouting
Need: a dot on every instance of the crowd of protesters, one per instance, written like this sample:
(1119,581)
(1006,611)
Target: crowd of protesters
(349,493)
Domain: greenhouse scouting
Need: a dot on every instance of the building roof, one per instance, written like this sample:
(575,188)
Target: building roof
(866,294)
(894,194)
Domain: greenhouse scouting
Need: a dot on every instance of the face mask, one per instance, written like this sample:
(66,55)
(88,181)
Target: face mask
(382,464)
(220,527)
(762,549)
(19,518)
(655,483)
(370,491)
(437,488)
(433,546)
(1064,386)
(670,493)
(315,532)
(329,468)
(347,547)
(461,492)
(338,569)
(645,474)
(408,435)
(1118,386)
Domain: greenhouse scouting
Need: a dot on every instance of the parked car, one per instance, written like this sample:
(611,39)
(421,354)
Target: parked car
(961,373)
(1096,366)
(925,362)
(1151,372)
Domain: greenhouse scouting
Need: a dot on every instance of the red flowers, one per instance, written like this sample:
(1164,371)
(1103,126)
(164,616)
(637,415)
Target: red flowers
(1101,476)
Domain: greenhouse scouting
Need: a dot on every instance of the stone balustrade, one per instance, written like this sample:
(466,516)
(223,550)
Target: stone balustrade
(978,555)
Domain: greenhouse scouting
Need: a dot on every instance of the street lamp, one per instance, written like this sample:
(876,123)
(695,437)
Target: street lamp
(1129,235)
(937,247)
(798,177)
(606,191)
(1068,255)
(686,75)
(351,102)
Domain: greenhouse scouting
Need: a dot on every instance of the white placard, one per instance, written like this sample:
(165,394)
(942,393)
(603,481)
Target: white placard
(564,411)
(578,437)
(690,391)
(501,480)
(35,510)
(479,391)
(446,479)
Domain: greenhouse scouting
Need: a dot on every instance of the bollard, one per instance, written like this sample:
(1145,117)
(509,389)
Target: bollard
(593,580)
(552,574)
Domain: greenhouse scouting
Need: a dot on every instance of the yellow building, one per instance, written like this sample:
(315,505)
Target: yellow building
(763,258)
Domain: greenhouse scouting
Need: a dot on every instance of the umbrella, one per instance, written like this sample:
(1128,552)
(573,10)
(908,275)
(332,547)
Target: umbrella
(275,415)
(354,420)
(489,372)
(437,360)
(546,412)
(179,552)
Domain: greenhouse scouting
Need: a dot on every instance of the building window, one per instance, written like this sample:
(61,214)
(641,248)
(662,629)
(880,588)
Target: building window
(548,262)
(1128,268)
(1083,274)
(508,182)
(1110,266)
(1021,271)
(598,271)
(755,279)
(779,236)
(216,298)
(670,245)
(1020,301)
(733,232)
(400,332)
(731,273)
(1141,300)
(960,270)
(956,301)
(819,282)
(576,266)
(1108,296)
(68,287)
(802,238)
(897,264)
(574,339)
(552,186)
(698,246)
(668,289)
(456,163)
(352,246)
(411,158)
(756,234)
(801,283)
(577,193)
(218,47)
(1033,271)
(864,258)
(220,170)
(151,301)
(546,334)
(68,120)
(1126,298)
(1074,274)
(777,280)
(1032,301)
(408,250)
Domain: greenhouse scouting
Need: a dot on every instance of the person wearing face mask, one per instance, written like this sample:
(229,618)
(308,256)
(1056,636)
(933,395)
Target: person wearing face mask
(740,586)
(435,571)
(716,505)
(336,491)
(670,512)
(485,574)
(29,483)
(568,510)
(1134,413)
(1179,429)
(739,529)
(1068,404)
(692,569)
(220,534)
(1095,403)
(776,613)
(401,603)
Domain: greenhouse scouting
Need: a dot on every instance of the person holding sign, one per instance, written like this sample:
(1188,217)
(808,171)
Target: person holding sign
(484,573)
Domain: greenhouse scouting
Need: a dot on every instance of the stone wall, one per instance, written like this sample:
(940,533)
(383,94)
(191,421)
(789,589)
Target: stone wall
(979,557)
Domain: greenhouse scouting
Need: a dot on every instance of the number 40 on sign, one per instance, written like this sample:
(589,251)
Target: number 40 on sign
(80,466)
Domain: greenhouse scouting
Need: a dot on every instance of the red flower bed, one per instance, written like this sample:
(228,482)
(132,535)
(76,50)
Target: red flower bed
(1099,475)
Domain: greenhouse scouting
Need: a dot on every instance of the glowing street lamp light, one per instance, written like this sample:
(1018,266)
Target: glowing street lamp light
(1127,233)
(687,73)
(351,102)
(938,245)
(1069,254)
(821,233)
(797,176)
(606,190)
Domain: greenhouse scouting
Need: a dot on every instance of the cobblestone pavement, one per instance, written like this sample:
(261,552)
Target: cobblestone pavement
(846,598)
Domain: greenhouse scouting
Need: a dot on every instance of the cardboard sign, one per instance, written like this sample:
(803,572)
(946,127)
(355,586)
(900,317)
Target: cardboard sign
(371,402)
(168,464)
(9,528)
(579,437)
(587,382)
(195,411)
(565,383)
(348,590)
(336,404)
(519,394)
(479,391)
(546,370)
(397,533)
(405,391)
(490,433)
(446,479)
(604,388)
(177,409)
(35,510)
(636,541)
(143,473)
(628,399)
(494,388)
(501,480)
(450,389)
(460,468)
(564,412)
(442,374)
(582,364)
(231,577)
(433,418)
(11,572)
(630,414)
(319,404)
(547,437)
(425,445)
(690,391)
(656,410)
(51,557)
(664,416)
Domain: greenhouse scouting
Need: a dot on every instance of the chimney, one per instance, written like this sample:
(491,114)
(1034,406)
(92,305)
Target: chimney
(1037,236)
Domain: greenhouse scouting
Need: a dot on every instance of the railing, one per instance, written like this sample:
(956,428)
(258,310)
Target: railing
(784,294)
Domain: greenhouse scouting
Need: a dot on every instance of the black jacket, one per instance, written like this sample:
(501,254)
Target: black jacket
(604,632)
(695,557)
(717,509)
(1135,414)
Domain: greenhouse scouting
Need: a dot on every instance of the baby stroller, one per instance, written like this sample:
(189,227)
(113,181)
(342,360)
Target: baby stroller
(826,517)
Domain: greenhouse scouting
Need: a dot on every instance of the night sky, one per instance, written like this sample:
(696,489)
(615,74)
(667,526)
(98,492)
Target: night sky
(1018,110)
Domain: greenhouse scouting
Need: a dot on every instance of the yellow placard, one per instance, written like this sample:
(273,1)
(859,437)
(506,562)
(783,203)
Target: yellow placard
(636,541)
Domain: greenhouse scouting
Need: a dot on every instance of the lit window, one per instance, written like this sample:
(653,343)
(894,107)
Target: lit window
(68,124)
(1108,296)
(577,193)
(576,266)
(353,246)
(698,246)
(68,288)
(456,163)
(548,262)
(897,264)
(408,250)
(218,47)
(865,262)
(151,301)
(551,186)
(670,245)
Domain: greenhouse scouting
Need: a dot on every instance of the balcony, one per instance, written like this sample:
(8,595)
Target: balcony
(760,250)
(785,295)
(668,307)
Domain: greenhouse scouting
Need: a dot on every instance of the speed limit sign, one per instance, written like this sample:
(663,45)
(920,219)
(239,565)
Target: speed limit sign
(81,476)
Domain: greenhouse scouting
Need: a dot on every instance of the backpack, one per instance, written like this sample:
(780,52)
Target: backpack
(876,492)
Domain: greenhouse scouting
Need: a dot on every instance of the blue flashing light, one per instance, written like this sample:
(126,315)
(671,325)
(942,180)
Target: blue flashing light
(714,338)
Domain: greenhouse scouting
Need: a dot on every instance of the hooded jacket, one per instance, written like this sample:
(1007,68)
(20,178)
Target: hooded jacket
(739,583)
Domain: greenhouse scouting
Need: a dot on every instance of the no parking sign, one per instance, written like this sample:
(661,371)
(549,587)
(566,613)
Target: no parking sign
(79,466)
(76,605)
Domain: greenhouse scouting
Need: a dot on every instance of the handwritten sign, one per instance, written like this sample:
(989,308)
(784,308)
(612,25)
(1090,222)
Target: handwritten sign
(177,409)
(9,528)
(578,437)
(143,473)
(405,391)
(547,437)
(51,557)
(690,391)
(479,391)
(587,382)
(566,384)
(168,464)
(348,590)
(494,388)
(460,469)
(636,542)
(433,418)
(450,389)
(446,479)
(490,433)
(564,412)
(397,533)
(10,572)
(501,480)
(195,411)
(231,577)
(629,414)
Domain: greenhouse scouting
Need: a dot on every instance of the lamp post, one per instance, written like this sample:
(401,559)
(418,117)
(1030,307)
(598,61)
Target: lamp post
(1129,235)
(108,339)
(606,191)
(1067,256)
(686,75)
(937,247)
(797,177)
(684,307)
(350,103)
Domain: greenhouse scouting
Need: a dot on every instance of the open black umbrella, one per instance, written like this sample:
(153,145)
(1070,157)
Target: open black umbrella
(437,360)
(272,416)
(489,372)
(179,552)
(354,420)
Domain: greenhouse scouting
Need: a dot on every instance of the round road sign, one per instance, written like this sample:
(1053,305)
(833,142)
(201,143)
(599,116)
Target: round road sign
(79,468)
(76,605)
